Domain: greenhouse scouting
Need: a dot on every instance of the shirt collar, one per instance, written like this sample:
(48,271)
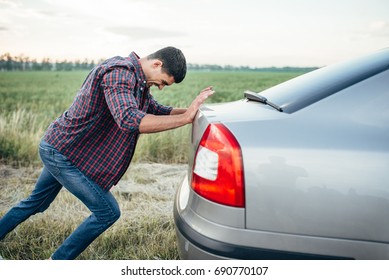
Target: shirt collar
(134,58)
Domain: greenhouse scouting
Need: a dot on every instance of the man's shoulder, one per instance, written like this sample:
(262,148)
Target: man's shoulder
(118,65)
(123,65)
(119,61)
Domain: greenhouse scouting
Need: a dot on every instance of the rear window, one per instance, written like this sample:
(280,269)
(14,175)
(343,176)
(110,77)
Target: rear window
(309,88)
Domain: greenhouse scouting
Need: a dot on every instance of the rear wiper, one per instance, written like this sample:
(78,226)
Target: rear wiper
(256,97)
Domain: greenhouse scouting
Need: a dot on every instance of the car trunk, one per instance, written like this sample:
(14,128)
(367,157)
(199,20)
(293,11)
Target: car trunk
(297,181)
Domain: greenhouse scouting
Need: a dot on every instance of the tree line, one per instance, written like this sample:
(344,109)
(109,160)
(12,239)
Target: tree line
(9,62)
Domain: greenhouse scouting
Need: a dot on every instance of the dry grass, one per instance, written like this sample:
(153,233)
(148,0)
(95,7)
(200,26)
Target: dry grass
(144,231)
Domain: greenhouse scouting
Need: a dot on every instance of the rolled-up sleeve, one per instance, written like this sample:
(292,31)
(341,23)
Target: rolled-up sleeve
(119,95)
(157,109)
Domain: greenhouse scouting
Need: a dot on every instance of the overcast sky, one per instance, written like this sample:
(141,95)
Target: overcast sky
(256,33)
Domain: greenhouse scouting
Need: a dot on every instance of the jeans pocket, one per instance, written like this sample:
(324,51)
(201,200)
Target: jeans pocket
(45,148)
(47,157)
(53,159)
(61,160)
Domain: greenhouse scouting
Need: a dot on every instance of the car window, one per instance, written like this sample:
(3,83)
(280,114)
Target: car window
(309,88)
(366,102)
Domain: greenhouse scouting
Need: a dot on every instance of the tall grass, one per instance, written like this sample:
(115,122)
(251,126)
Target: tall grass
(29,101)
(20,132)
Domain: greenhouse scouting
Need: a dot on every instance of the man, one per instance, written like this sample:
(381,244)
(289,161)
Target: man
(89,147)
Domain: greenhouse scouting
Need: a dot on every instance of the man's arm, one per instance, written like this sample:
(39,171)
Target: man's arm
(178,117)
(177,111)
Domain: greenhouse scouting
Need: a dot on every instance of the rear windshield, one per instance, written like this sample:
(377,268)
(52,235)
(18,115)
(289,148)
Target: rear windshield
(309,88)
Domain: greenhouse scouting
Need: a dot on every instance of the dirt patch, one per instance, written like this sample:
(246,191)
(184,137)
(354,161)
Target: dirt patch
(143,183)
(151,187)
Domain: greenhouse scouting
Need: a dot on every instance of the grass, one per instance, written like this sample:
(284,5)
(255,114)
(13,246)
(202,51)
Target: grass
(145,230)
(144,238)
(29,101)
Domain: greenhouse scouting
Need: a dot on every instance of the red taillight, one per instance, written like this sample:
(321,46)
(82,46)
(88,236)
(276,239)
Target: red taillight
(218,168)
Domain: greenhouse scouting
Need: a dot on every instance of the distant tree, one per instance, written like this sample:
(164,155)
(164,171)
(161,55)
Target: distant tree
(46,64)
(8,62)
(92,64)
(35,66)
(77,64)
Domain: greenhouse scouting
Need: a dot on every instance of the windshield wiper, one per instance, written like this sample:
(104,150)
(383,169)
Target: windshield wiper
(256,97)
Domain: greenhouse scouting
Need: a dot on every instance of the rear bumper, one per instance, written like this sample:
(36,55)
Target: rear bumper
(190,250)
(193,245)
(202,239)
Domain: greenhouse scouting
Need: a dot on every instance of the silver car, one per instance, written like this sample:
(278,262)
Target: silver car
(298,171)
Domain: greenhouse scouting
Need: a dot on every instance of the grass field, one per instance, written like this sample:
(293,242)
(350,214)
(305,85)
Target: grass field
(29,101)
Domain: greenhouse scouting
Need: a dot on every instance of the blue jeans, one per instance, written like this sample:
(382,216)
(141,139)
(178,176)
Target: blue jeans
(58,171)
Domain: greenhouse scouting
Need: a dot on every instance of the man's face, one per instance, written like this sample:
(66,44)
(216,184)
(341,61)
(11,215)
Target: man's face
(157,77)
(160,80)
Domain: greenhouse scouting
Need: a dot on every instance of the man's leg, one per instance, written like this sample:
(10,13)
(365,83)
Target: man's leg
(46,189)
(104,207)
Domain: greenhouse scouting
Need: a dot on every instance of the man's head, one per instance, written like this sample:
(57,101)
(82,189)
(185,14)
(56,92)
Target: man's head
(173,62)
(164,67)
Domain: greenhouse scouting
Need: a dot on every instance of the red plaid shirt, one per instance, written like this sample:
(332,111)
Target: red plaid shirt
(98,133)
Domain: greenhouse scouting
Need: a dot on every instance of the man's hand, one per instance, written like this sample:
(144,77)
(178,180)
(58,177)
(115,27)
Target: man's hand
(178,117)
(197,102)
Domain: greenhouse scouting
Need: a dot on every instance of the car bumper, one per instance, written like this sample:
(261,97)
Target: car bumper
(193,244)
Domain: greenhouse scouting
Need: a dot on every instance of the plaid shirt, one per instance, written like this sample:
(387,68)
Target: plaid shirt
(98,133)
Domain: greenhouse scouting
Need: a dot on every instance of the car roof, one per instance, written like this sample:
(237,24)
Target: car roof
(311,87)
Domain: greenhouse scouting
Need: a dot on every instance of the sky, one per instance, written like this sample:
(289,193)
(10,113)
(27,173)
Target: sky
(254,33)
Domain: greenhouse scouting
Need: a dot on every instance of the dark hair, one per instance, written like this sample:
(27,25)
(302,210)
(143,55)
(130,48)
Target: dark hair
(174,62)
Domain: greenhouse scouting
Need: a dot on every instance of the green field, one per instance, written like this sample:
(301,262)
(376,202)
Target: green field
(29,101)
